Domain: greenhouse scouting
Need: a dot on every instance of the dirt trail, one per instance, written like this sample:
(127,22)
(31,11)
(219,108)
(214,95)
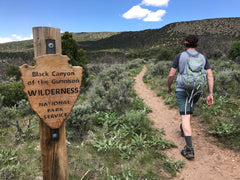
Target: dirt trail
(211,162)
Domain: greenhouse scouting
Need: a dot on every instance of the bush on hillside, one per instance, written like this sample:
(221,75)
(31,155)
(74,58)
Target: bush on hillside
(216,54)
(160,69)
(165,54)
(78,121)
(111,96)
(234,51)
(227,82)
(13,71)
(12,93)
(10,114)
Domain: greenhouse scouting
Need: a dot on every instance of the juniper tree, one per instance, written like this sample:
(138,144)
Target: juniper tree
(77,57)
(234,51)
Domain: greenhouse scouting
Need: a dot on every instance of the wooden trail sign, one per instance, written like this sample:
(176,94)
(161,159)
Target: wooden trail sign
(52,87)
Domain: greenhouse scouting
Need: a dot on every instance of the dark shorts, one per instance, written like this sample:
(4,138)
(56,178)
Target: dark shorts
(182,100)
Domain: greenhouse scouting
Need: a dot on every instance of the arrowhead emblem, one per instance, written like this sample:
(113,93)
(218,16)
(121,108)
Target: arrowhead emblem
(52,87)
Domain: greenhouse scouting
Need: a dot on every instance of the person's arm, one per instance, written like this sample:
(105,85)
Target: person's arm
(210,80)
(170,79)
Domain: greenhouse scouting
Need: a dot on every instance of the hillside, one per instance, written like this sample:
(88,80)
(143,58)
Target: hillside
(92,36)
(214,34)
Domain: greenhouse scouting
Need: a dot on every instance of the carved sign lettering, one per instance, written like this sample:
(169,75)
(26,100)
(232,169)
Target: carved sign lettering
(52,87)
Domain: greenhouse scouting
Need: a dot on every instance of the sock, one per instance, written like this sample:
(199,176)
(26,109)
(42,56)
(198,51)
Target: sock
(188,140)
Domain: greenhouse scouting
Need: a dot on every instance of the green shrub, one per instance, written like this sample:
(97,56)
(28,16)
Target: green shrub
(78,121)
(222,64)
(10,166)
(10,115)
(234,50)
(95,69)
(135,64)
(24,108)
(24,55)
(1,100)
(97,98)
(125,135)
(224,128)
(126,173)
(164,55)
(7,115)
(111,76)
(143,142)
(101,118)
(136,122)
(111,91)
(216,54)
(137,104)
(13,71)
(161,69)
(173,166)
(227,82)
(12,93)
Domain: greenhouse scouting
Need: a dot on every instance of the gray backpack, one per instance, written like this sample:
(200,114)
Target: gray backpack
(193,77)
(194,74)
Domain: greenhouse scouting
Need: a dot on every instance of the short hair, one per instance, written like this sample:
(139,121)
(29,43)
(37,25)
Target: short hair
(191,41)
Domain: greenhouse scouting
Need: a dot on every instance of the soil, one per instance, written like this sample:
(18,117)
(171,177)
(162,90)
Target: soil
(211,161)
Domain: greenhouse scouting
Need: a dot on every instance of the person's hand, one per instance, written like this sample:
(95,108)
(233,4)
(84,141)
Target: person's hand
(210,100)
(169,90)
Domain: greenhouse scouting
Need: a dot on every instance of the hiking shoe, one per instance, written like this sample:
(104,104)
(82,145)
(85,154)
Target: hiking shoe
(181,129)
(188,152)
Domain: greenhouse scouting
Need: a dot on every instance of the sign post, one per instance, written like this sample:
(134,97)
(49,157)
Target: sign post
(52,87)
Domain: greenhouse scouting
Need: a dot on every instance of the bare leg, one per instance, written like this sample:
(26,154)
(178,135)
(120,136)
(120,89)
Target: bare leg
(186,125)
(188,151)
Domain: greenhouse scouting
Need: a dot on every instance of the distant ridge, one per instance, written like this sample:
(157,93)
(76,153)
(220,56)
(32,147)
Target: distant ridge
(214,34)
(219,32)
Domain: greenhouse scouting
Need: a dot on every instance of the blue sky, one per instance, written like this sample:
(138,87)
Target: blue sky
(17,17)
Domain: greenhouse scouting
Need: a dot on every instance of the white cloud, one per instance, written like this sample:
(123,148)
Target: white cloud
(4,40)
(157,3)
(145,14)
(27,38)
(14,37)
(136,12)
(155,16)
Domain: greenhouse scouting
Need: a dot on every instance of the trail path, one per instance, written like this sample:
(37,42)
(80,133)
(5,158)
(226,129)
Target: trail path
(211,162)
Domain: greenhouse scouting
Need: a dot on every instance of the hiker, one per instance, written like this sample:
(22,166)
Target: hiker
(189,88)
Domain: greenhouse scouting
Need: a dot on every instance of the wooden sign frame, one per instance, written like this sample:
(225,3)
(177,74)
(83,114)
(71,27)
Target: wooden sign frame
(47,53)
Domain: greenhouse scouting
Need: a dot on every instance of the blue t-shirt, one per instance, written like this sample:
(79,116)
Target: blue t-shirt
(180,61)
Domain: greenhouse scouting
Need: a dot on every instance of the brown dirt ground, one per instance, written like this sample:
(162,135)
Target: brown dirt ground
(211,161)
